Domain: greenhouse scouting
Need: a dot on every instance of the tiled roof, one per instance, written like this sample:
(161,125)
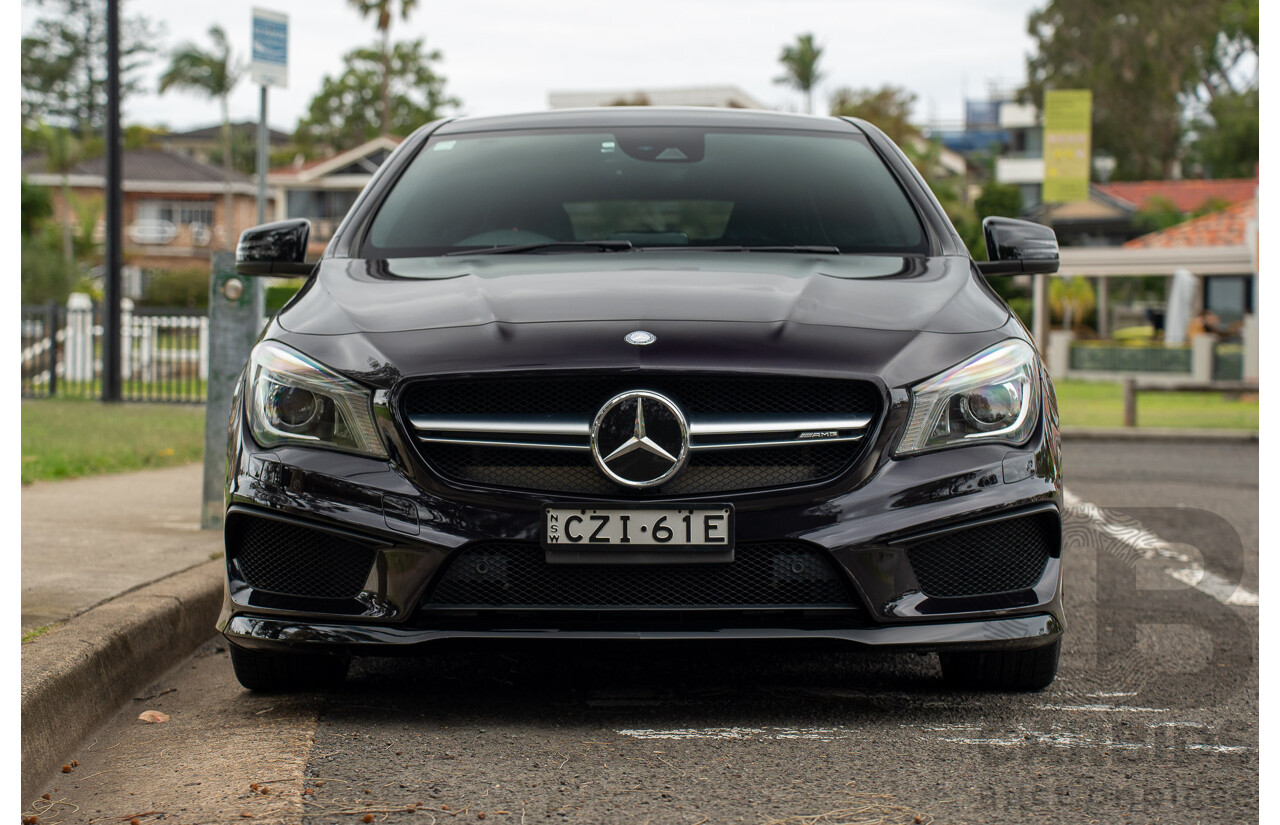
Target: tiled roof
(143,165)
(213,133)
(365,149)
(1225,228)
(1185,195)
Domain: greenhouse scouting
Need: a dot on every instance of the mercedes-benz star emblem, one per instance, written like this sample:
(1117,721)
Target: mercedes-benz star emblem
(640,439)
(640,338)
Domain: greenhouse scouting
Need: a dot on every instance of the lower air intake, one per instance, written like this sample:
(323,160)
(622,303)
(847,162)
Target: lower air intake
(999,557)
(516,575)
(293,560)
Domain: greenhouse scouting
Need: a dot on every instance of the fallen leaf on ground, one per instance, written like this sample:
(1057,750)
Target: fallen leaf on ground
(153,716)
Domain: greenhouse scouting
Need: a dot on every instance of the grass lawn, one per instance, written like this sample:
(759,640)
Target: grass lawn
(1088,404)
(64,438)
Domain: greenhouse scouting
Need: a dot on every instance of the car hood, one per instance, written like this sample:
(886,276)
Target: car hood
(873,292)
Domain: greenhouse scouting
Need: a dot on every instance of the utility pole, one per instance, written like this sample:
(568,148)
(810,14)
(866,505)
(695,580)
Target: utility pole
(115,211)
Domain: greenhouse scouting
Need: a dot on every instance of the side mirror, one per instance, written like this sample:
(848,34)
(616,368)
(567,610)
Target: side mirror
(1018,247)
(278,248)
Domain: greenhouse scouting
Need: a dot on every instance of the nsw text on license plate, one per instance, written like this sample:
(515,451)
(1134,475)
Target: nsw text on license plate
(708,526)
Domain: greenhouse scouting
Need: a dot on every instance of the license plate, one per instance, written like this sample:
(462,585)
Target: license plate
(707,526)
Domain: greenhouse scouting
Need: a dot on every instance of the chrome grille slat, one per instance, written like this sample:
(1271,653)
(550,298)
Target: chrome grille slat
(541,432)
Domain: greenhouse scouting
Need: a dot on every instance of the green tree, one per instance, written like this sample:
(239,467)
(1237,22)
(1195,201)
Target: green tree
(1147,62)
(62,153)
(1071,299)
(381,9)
(64,63)
(800,66)
(213,74)
(1001,199)
(345,112)
(244,152)
(1160,213)
(36,207)
(889,108)
(1226,136)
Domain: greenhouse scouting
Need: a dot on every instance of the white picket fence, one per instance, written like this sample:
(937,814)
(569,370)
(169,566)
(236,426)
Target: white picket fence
(162,355)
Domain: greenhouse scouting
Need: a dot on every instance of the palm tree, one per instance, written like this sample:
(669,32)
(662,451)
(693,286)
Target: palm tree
(213,74)
(382,9)
(63,153)
(801,64)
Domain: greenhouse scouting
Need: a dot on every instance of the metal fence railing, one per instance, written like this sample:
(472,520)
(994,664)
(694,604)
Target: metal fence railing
(1114,358)
(164,352)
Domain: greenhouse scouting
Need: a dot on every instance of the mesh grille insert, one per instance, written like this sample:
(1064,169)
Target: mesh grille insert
(292,560)
(582,396)
(516,575)
(992,558)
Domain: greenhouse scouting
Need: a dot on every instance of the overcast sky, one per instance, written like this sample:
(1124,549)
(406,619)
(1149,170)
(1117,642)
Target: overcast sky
(506,55)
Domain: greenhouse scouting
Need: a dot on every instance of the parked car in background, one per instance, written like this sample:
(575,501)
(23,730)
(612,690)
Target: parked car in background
(645,374)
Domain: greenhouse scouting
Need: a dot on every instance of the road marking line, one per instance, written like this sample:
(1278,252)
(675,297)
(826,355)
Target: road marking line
(1101,708)
(1066,739)
(821,734)
(1179,566)
(1219,748)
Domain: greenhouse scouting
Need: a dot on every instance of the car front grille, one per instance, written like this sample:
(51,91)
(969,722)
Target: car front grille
(532,433)
(292,560)
(515,575)
(998,557)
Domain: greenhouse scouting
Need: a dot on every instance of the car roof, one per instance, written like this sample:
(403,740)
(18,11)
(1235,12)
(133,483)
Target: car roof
(616,116)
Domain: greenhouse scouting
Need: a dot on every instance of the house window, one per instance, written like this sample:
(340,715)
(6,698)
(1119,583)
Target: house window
(180,213)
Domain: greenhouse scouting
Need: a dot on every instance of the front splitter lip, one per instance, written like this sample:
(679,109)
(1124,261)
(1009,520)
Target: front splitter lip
(1015,633)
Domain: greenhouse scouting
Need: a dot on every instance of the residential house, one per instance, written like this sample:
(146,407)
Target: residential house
(323,190)
(201,144)
(174,206)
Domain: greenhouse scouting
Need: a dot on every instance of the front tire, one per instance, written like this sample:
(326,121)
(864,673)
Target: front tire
(1002,670)
(270,671)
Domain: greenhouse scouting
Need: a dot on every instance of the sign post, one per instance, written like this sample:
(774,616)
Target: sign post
(270,67)
(1068,119)
(235,302)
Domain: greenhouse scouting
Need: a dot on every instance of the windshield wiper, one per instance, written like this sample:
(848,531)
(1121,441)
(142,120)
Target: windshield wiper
(601,246)
(802,248)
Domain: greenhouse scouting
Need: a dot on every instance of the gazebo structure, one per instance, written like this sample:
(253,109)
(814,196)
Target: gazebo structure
(1220,249)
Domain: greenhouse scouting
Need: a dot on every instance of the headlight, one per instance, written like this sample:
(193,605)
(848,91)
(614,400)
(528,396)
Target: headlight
(993,396)
(294,400)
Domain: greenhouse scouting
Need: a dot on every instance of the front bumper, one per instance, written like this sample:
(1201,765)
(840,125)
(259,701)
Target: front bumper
(867,528)
(1019,633)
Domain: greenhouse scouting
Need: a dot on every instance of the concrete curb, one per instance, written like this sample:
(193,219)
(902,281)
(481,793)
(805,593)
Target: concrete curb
(80,673)
(1158,434)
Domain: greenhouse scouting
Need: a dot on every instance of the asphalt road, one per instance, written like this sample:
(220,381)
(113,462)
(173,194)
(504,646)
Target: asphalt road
(1153,716)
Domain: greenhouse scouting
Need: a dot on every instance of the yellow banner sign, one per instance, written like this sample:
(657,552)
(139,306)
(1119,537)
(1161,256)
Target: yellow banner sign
(1067,117)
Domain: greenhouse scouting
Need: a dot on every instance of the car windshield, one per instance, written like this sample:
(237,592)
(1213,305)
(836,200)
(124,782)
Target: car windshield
(552,190)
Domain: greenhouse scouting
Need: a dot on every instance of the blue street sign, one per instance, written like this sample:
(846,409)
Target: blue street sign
(270,65)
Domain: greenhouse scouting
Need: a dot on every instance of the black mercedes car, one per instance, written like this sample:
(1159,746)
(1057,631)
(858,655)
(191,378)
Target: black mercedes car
(645,374)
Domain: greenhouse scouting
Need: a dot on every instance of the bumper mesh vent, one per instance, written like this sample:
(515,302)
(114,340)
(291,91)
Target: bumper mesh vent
(292,560)
(516,575)
(1000,557)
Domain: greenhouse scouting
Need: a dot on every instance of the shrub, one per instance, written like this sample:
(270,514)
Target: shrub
(187,288)
(276,296)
